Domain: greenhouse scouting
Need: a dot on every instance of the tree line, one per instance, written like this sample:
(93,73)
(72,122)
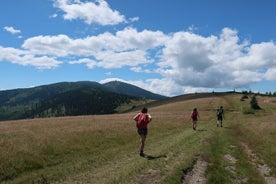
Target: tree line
(72,103)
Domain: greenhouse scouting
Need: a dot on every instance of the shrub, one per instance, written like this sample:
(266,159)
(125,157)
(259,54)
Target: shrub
(244,97)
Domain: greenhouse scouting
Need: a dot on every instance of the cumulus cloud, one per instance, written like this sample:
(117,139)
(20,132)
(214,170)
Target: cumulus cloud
(216,61)
(24,58)
(271,74)
(123,40)
(90,63)
(97,12)
(12,30)
(112,79)
(126,47)
(121,59)
(182,61)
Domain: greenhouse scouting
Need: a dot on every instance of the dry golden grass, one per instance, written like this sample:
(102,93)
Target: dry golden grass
(103,148)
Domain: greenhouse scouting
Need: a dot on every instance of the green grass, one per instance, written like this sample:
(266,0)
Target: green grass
(104,149)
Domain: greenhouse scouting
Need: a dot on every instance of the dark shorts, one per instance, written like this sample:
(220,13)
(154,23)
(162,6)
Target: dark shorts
(142,131)
(220,118)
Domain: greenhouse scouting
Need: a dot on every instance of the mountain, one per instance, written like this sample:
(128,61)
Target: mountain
(67,99)
(26,95)
(128,89)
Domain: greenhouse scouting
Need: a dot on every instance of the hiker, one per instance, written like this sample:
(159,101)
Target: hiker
(220,116)
(194,116)
(142,120)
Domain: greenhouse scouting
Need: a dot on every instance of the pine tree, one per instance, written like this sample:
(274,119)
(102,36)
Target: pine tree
(254,103)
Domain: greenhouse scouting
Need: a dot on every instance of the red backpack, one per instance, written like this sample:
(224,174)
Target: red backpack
(142,121)
(194,115)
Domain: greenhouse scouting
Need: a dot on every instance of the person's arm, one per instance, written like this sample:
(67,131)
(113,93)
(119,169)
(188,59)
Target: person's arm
(136,117)
(149,117)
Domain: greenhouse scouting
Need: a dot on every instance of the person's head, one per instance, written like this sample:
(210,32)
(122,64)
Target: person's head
(221,107)
(195,109)
(144,110)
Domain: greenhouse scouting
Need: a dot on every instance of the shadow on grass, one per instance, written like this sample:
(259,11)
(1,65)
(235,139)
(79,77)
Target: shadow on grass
(151,157)
(227,127)
(201,130)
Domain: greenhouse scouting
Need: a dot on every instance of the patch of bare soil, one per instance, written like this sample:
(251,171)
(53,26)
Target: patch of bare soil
(195,174)
(263,169)
(232,168)
(230,158)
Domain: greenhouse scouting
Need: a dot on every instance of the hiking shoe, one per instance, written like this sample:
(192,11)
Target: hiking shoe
(142,154)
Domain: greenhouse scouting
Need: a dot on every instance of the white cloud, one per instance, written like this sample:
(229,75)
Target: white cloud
(12,30)
(54,15)
(185,61)
(134,19)
(118,60)
(24,58)
(88,62)
(127,47)
(145,39)
(258,56)
(112,79)
(97,12)
(215,61)
(164,86)
(48,45)
(124,40)
(271,74)
(42,62)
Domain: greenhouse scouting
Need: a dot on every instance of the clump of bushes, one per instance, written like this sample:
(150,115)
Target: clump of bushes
(244,97)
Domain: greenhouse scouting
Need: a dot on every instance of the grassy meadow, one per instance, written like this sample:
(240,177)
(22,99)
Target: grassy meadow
(103,149)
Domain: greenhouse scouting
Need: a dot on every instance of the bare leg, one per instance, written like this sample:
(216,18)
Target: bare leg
(142,144)
(194,125)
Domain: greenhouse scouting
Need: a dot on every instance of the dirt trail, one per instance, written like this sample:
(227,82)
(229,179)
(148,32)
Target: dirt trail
(263,169)
(231,167)
(196,175)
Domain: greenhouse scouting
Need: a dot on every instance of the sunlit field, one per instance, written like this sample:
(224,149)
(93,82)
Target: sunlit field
(104,148)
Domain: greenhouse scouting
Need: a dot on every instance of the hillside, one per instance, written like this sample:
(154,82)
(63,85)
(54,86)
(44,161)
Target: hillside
(131,90)
(181,98)
(69,98)
(103,148)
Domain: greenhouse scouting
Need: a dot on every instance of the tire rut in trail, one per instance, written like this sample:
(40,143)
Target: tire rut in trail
(262,168)
(195,174)
(231,167)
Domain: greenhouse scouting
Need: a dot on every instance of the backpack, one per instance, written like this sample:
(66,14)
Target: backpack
(194,115)
(142,121)
(219,112)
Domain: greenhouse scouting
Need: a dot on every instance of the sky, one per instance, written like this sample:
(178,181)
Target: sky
(167,47)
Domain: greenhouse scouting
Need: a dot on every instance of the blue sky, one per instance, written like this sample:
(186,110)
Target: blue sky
(167,47)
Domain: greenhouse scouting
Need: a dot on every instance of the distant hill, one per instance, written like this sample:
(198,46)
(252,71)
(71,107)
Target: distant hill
(128,89)
(182,98)
(68,98)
